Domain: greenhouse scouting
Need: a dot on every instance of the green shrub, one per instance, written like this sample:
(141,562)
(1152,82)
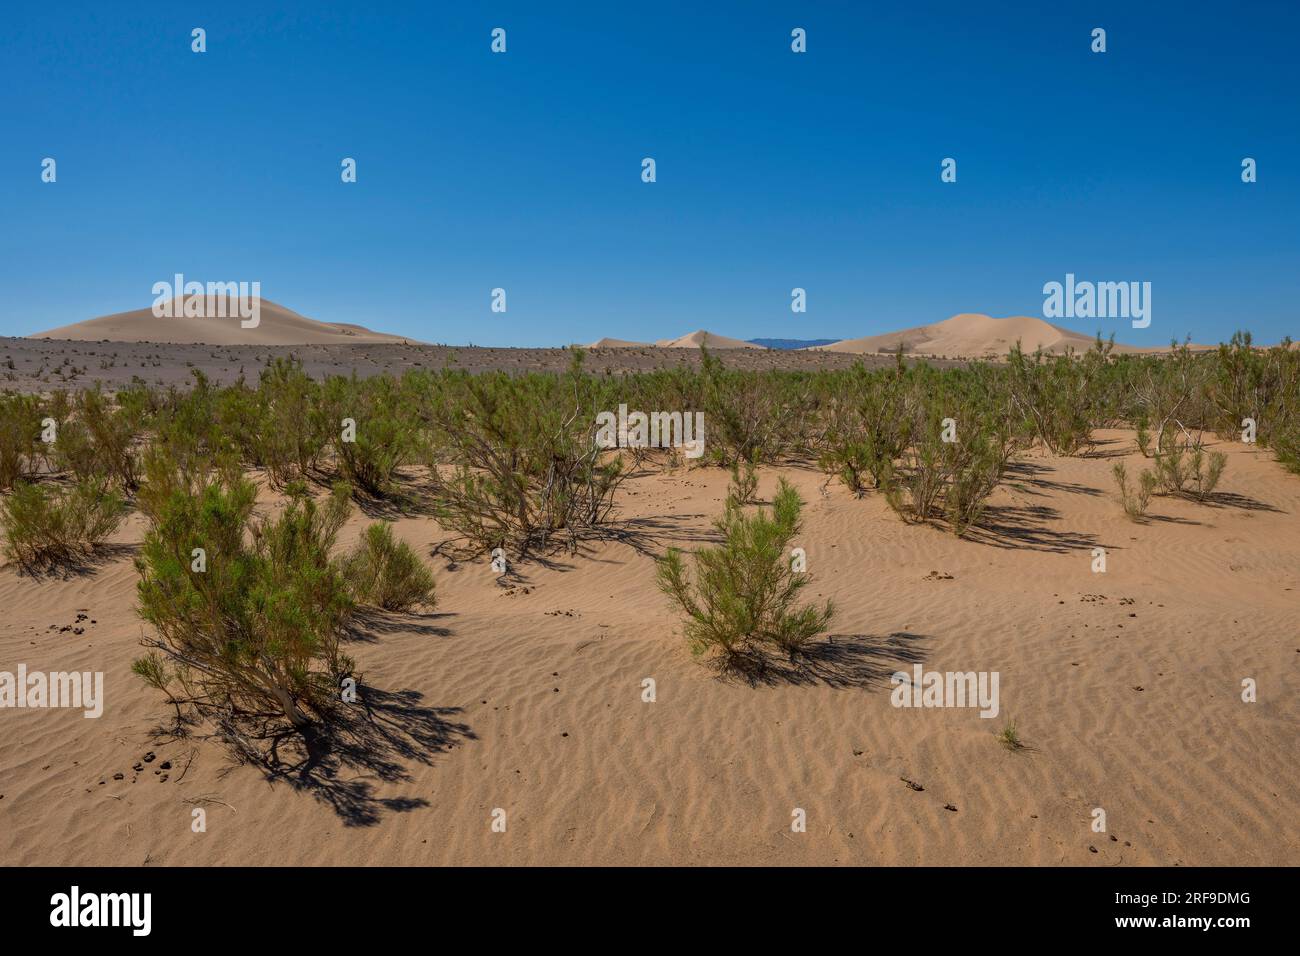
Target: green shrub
(951,479)
(523,464)
(20,432)
(253,631)
(386,573)
(1134,499)
(47,527)
(100,440)
(1060,396)
(741,602)
(385,438)
(1183,469)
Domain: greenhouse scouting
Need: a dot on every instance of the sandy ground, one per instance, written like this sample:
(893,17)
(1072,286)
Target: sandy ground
(42,365)
(1125,686)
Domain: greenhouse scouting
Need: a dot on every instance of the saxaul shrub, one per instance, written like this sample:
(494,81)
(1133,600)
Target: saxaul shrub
(1062,397)
(291,430)
(1182,468)
(750,415)
(386,573)
(247,612)
(868,426)
(101,438)
(741,601)
(744,482)
(1134,497)
(47,527)
(381,433)
(960,444)
(522,467)
(20,432)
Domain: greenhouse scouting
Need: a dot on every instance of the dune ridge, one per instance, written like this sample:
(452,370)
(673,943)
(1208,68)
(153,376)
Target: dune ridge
(277,325)
(973,335)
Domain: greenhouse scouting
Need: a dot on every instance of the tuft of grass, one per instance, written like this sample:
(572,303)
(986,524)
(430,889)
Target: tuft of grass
(1009,736)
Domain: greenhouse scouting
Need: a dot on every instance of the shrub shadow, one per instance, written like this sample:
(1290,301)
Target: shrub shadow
(372,739)
(841,661)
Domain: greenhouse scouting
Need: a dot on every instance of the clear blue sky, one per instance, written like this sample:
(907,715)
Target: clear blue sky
(775,170)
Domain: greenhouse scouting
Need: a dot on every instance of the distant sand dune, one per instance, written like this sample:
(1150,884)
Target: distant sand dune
(695,339)
(277,326)
(972,335)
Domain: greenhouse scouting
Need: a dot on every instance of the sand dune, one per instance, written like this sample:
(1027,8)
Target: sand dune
(972,335)
(695,339)
(276,326)
(608,343)
(1124,686)
(692,340)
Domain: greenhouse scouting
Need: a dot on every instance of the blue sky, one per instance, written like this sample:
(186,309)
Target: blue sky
(775,169)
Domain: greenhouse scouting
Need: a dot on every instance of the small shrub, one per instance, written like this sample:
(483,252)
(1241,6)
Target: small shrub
(744,483)
(46,528)
(742,599)
(1182,468)
(1009,736)
(386,573)
(1134,499)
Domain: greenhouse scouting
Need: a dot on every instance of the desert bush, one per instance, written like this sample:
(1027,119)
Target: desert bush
(386,433)
(386,573)
(868,426)
(289,430)
(1134,499)
(744,482)
(100,440)
(952,480)
(1062,397)
(523,463)
(47,527)
(1183,469)
(20,431)
(254,631)
(750,416)
(742,599)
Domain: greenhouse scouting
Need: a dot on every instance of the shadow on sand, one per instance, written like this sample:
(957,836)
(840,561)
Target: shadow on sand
(372,740)
(841,661)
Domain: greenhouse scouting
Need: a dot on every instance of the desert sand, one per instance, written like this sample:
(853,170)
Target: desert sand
(525,694)
(221,326)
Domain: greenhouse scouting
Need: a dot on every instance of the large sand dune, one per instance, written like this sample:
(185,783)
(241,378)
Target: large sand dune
(972,335)
(1125,687)
(276,326)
